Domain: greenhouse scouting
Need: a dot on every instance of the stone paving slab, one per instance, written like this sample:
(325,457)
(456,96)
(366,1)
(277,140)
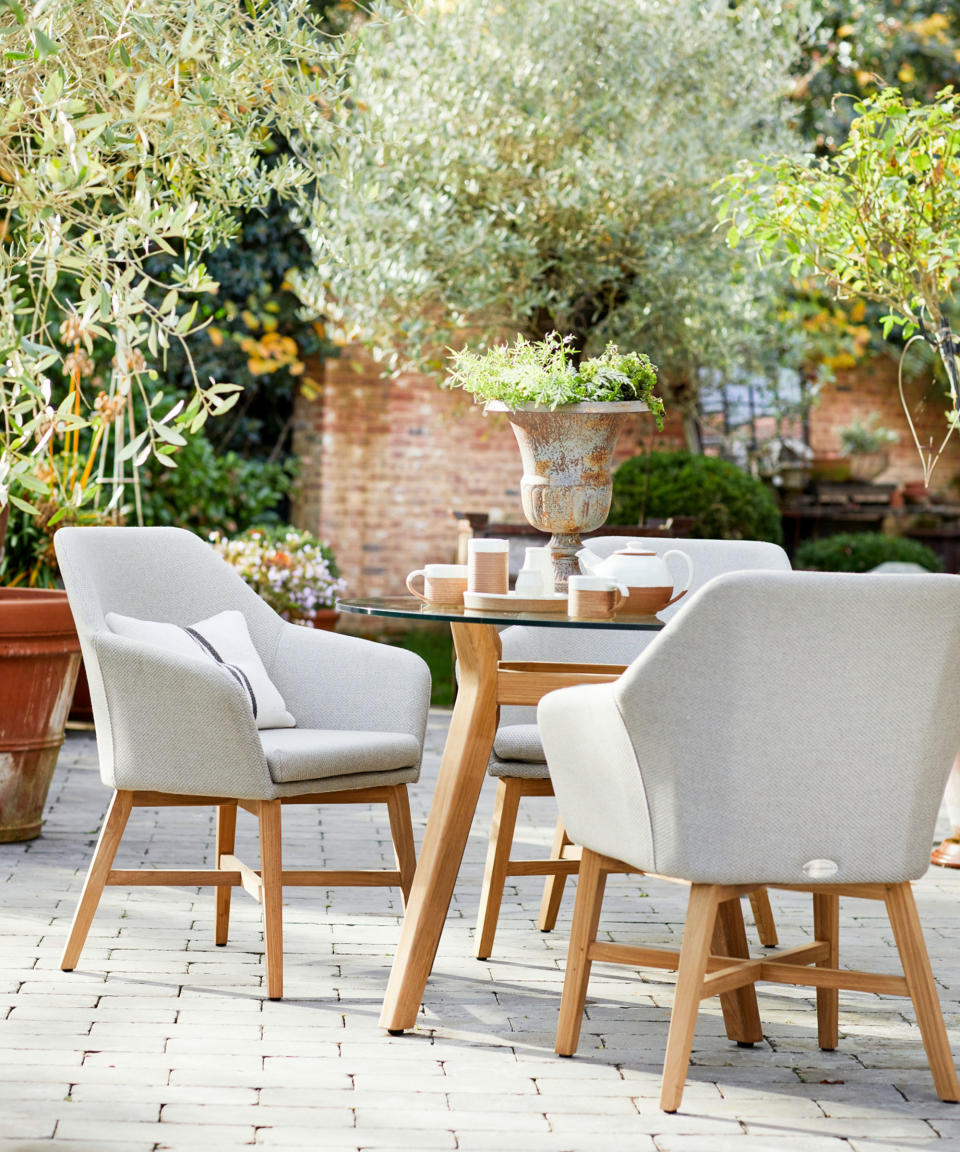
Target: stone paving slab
(162,1041)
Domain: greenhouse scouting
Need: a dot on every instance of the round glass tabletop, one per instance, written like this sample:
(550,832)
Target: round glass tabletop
(410,608)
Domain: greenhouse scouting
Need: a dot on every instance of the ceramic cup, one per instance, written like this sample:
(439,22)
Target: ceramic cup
(488,564)
(443,584)
(594,597)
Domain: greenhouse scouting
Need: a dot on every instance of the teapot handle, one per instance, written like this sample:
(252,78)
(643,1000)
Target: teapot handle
(689,563)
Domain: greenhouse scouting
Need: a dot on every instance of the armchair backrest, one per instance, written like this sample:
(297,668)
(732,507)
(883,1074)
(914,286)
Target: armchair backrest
(610,646)
(789,717)
(162,574)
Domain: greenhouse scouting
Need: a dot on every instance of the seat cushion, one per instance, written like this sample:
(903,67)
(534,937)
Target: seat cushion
(518,769)
(300,754)
(224,639)
(519,742)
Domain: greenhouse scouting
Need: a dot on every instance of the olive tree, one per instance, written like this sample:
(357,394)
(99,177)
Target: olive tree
(541,165)
(130,132)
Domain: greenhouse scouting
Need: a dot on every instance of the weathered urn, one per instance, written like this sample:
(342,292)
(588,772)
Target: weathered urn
(567,456)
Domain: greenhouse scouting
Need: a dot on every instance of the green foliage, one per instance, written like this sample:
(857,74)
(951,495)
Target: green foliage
(128,131)
(543,372)
(257,335)
(546,166)
(861,551)
(225,492)
(206,492)
(293,571)
(859,47)
(878,220)
(725,502)
(861,437)
(28,557)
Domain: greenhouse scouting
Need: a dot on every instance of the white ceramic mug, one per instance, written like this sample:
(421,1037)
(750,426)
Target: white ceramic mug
(443,584)
(488,566)
(594,597)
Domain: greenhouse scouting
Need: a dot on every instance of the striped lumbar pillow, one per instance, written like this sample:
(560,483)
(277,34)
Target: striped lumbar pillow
(223,639)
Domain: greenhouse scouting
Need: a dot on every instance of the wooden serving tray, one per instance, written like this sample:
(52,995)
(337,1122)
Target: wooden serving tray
(511,602)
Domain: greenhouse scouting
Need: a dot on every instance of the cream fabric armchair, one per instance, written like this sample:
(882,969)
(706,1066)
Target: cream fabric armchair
(788,729)
(518,762)
(174,728)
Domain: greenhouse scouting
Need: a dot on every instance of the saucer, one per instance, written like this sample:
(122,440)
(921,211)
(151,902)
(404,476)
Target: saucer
(511,602)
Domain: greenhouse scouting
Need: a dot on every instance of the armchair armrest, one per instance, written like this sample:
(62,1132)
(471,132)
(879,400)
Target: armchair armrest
(595,773)
(332,681)
(175,724)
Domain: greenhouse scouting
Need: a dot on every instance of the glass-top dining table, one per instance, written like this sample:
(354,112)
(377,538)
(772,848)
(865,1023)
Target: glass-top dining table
(485,682)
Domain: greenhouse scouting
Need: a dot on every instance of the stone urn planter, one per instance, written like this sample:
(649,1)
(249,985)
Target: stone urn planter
(567,456)
(39,660)
(866,466)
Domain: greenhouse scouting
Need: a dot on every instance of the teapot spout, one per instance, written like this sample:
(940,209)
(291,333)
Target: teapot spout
(588,561)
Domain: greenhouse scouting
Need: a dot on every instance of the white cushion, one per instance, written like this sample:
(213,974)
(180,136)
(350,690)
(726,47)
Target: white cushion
(320,754)
(519,742)
(224,639)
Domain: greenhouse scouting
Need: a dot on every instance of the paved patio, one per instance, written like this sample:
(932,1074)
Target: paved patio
(162,1041)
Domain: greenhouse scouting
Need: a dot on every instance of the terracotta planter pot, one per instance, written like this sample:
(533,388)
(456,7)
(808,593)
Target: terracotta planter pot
(39,659)
(325,618)
(567,456)
(81,709)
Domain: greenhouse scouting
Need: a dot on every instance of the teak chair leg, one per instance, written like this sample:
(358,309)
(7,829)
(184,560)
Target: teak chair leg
(271,869)
(694,952)
(741,1016)
(583,931)
(505,810)
(826,927)
(401,829)
(553,885)
(763,918)
(107,844)
(902,910)
(226,841)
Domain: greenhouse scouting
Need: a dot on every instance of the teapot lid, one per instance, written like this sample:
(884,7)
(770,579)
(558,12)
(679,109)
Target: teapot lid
(630,551)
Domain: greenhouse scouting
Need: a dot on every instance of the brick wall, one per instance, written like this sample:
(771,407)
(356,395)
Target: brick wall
(873,388)
(386,462)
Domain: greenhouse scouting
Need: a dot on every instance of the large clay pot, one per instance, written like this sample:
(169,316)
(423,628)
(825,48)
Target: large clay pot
(323,618)
(39,659)
(567,456)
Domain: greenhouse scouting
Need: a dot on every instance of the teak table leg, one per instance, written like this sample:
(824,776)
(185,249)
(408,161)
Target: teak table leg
(462,770)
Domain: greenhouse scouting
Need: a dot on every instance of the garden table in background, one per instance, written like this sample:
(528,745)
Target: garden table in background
(485,682)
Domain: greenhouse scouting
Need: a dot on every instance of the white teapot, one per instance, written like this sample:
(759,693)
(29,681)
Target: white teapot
(646,575)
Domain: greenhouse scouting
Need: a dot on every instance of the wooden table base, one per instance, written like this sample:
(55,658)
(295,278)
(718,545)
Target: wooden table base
(486,682)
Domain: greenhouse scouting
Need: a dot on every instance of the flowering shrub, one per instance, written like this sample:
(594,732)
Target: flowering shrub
(292,570)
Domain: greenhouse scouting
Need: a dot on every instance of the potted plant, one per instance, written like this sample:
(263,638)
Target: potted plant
(865,442)
(130,141)
(878,219)
(567,417)
(292,570)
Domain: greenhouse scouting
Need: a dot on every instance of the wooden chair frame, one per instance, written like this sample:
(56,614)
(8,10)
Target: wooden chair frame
(563,861)
(264,884)
(706,966)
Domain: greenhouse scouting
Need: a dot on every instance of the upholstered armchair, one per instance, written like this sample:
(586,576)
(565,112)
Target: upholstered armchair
(202,694)
(789,729)
(518,762)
